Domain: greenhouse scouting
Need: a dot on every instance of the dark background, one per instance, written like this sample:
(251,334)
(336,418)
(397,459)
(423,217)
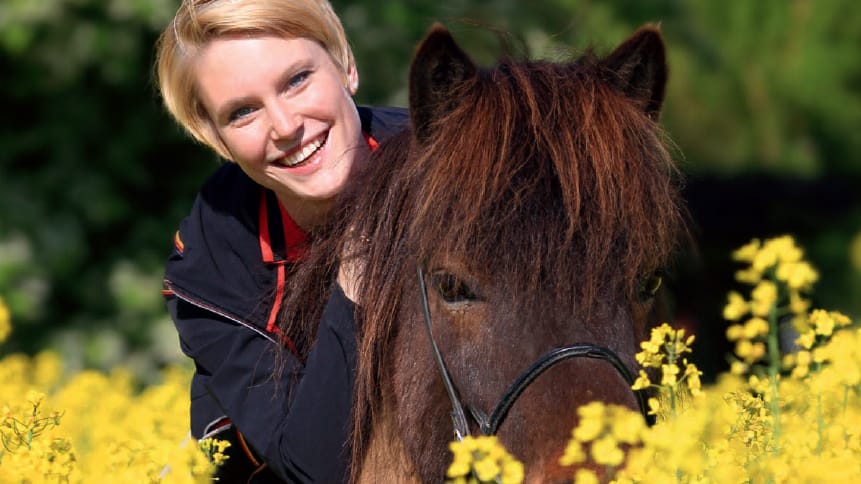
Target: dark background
(764,105)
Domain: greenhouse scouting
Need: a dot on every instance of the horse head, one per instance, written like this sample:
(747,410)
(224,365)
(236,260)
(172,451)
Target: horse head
(531,206)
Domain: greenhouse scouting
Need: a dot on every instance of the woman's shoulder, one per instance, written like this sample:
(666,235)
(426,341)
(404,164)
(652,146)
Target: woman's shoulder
(229,189)
(226,207)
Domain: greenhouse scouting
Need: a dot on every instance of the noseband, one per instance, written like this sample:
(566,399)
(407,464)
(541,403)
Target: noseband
(490,425)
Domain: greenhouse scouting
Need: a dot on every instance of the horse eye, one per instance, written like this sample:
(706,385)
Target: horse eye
(650,285)
(451,288)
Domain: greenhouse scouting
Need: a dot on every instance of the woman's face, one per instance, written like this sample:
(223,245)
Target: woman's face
(285,113)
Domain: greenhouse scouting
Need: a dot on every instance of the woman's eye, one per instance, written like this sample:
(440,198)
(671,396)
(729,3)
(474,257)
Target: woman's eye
(298,79)
(452,289)
(240,113)
(650,285)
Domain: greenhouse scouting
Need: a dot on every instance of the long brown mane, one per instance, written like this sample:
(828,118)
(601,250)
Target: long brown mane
(543,177)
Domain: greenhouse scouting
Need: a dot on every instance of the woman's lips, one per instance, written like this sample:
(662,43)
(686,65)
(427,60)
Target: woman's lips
(302,154)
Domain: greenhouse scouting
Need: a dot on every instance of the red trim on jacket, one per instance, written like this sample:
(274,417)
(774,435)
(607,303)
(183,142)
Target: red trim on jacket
(263,235)
(294,237)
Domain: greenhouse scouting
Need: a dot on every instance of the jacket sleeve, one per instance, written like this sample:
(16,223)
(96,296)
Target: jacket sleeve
(298,424)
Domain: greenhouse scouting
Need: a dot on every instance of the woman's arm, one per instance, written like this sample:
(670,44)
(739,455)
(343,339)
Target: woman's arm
(304,439)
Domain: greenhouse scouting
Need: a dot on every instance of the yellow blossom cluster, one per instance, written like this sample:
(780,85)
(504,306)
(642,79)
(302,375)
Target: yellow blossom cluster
(663,351)
(780,278)
(95,427)
(482,459)
(599,439)
(794,416)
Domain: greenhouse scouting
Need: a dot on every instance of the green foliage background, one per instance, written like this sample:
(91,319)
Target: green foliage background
(764,103)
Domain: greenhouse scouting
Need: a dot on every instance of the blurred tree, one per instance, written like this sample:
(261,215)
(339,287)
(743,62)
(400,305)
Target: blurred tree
(770,85)
(92,175)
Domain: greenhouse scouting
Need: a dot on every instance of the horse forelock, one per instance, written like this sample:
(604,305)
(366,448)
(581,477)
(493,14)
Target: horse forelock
(546,166)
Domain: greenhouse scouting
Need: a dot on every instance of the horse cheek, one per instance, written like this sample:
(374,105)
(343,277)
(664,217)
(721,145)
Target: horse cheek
(420,403)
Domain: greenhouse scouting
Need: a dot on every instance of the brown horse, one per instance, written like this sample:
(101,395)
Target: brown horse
(539,201)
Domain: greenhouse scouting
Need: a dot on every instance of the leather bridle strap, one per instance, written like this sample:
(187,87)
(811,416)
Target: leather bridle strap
(489,426)
(458,417)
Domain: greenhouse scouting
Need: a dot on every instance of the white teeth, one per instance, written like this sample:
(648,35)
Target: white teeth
(303,154)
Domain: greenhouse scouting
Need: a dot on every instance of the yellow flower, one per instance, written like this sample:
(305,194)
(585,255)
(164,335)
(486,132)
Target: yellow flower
(738,368)
(512,472)
(755,327)
(485,458)
(785,248)
(573,453)
(764,259)
(797,275)
(797,304)
(692,378)
(748,276)
(669,374)
(460,465)
(747,252)
(734,332)
(806,339)
(626,425)
(588,428)
(763,298)
(840,319)
(735,308)
(801,362)
(586,476)
(654,406)
(822,322)
(35,398)
(606,451)
(486,469)
(749,351)
(641,382)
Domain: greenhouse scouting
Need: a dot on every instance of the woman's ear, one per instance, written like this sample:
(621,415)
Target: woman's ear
(352,79)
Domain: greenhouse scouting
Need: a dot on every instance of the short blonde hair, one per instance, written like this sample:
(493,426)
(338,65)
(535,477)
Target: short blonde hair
(197,22)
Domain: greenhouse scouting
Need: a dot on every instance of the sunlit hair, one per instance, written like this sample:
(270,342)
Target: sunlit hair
(198,22)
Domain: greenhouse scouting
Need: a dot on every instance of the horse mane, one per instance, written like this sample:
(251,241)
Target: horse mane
(544,174)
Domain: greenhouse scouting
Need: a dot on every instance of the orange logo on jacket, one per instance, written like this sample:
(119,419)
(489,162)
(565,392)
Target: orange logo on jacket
(177,242)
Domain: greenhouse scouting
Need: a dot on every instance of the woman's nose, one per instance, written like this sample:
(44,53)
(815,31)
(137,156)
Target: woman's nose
(285,123)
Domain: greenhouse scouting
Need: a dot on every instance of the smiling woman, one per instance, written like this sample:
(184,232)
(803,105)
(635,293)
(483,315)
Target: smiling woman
(268,85)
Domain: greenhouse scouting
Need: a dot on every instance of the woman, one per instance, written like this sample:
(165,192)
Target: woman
(268,85)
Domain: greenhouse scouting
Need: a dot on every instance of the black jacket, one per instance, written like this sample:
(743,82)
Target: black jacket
(223,283)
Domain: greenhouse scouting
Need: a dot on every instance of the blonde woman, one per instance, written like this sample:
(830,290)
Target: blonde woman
(268,85)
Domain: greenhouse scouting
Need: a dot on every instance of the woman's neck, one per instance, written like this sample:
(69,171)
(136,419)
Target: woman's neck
(308,214)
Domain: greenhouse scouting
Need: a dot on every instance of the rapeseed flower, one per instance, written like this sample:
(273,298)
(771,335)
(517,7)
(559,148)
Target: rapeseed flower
(482,459)
(736,307)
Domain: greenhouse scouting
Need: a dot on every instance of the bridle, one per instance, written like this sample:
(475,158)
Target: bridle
(489,425)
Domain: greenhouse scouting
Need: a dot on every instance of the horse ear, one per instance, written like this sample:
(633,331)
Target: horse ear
(640,68)
(438,65)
